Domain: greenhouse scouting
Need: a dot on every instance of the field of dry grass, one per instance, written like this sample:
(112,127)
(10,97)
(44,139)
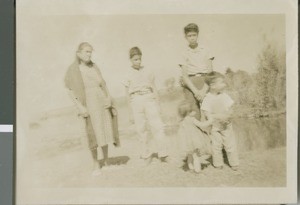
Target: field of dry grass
(57,155)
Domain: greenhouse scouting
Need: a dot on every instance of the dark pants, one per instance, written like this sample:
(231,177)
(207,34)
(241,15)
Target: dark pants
(199,82)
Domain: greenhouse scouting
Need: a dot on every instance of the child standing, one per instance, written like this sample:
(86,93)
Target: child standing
(143,98)
(216,106)
(195,144)
(196,64)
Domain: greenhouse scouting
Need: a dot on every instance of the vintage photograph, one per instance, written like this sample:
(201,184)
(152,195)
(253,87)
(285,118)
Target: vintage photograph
(151,100)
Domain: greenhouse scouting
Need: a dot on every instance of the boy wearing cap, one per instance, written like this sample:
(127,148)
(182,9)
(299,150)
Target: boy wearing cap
(196,64)
(143,98)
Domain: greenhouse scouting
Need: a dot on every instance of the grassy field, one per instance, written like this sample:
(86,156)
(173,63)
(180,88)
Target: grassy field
(57,154)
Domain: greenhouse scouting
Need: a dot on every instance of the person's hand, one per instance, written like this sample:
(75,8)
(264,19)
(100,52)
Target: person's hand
(200,124)
(83,112)
(107,103)
(181,81)
(198,96)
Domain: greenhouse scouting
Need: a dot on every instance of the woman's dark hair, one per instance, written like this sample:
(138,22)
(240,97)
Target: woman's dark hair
(192,27)
(134,51)
(184,108)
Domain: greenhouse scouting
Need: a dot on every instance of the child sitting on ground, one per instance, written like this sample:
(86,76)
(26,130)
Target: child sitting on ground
(195,144)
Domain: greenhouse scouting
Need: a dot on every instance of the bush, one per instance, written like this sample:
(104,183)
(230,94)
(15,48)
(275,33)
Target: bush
(264,91)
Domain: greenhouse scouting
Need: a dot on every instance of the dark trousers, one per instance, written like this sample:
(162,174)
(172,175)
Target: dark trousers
(199,82)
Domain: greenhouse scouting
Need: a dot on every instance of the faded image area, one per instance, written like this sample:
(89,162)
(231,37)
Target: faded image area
(53,145)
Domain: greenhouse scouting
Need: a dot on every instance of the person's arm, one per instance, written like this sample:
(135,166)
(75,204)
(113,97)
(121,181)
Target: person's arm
(108,101)
(127,95)
(155,91)
(187,81)
(129,104)
(204,124)
(104,88)
(185,75)
(153,86)
(82,109)
(199,94)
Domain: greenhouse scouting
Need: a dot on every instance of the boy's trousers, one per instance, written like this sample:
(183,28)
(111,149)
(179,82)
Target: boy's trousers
(146,113)
(226,139)
(199,83)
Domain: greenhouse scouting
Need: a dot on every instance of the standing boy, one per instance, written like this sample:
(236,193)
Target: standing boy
(196,63)
(143,99)
(216,107)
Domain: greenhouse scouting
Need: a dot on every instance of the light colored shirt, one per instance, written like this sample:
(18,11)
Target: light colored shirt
(139,80)
(217,104)
(196,60)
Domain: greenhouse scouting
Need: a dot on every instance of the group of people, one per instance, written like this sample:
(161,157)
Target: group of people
(205,128)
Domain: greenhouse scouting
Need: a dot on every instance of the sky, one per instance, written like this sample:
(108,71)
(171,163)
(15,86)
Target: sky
(46,46)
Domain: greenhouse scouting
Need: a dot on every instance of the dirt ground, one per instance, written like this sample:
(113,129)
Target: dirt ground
(72,168)
(55,154)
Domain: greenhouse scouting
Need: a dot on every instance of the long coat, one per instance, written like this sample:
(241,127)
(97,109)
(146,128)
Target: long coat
(74,82)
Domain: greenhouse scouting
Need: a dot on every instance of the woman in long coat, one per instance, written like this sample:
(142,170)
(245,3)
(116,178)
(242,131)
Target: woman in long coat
(88,90)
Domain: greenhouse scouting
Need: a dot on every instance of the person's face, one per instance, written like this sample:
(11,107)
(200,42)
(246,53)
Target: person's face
(85,54)
(218,85)
(136,61)
(192,37)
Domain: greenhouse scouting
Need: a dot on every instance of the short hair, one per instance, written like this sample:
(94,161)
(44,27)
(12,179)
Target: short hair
(83,45)
(134,51)
(192,27)
(184,108)
(212,77)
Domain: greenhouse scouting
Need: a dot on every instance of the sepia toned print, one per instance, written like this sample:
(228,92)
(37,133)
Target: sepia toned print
(151,101)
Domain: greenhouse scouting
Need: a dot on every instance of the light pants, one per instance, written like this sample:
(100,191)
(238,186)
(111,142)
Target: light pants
(146,113)
(227,140)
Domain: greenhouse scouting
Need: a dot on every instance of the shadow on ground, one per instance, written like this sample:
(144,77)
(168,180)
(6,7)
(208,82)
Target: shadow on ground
(119,160)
